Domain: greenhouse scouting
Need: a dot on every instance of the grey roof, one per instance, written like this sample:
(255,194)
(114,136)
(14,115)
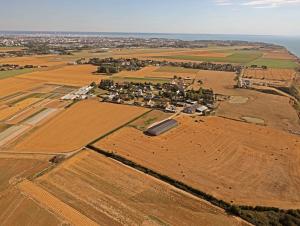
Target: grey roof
(162,127)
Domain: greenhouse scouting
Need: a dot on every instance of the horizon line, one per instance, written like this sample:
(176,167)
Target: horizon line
(158,33)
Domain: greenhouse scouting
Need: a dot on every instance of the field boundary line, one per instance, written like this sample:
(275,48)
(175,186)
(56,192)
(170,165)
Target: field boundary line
(164,178)
(55,205)
(118,128)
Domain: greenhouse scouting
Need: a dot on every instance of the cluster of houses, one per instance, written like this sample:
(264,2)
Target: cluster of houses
(170,97)
(80,94)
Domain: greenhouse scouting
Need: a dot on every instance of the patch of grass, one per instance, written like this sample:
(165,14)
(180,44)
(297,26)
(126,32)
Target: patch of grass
(241,57)
(177,69)
(154,116)
(275,63)
(12,73)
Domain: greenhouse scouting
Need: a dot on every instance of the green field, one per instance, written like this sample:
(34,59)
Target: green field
(12,73)
(239,57)
(176,69)
(274,63)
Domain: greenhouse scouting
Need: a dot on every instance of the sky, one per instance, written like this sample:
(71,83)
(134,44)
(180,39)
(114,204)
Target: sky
(267,17)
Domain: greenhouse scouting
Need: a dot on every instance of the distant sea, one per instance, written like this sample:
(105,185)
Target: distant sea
(291,43)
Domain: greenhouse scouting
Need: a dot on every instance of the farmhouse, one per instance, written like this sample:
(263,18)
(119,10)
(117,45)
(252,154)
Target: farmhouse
(190,109)
(162,127)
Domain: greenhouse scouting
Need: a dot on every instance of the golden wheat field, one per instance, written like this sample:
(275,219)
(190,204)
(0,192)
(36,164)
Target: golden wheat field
(238,162)
(77,126)
(116,195)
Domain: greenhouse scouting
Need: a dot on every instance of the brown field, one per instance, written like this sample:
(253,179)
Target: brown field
(276,111)
(47,60)
(111,194)
(283,55)
(270,74)
(54,205)
(18,209)
(77,126)
(24,115)
(11,110)
(57,104)
(238,162)
(220,82)
(154,72)
(46,88)
(3,127)
(7,49)
(13,85)
(15,168)
(78,75)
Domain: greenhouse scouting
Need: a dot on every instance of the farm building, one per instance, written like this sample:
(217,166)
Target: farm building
(162,127)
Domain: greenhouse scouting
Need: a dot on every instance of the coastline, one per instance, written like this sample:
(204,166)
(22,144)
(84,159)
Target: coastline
(292,44)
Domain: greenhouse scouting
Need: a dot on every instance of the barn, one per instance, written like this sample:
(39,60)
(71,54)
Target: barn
(162,127)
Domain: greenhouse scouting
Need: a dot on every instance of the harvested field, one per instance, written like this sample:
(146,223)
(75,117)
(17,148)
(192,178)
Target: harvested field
(10,111)
(40,116)
(238,162)
(12,85)
(64,89)
(7,49)
(254,120)
(220,82)
(177,70)
(54,204)
(3,126)
(114,194)
(157,72)
(238,100)
(45,60)
(11,133)
(283,55)
(23,115)
(78,75)
(276,111)
(77,126)
(46,88)
(12,206)
(15,168)
(147,120)
(57,104)
(270,74)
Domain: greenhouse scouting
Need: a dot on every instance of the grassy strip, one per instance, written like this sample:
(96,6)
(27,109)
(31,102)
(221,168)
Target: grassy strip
(258,215)
(32,95)
(12,73)
(274,63)
(120,127)
(11,96)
